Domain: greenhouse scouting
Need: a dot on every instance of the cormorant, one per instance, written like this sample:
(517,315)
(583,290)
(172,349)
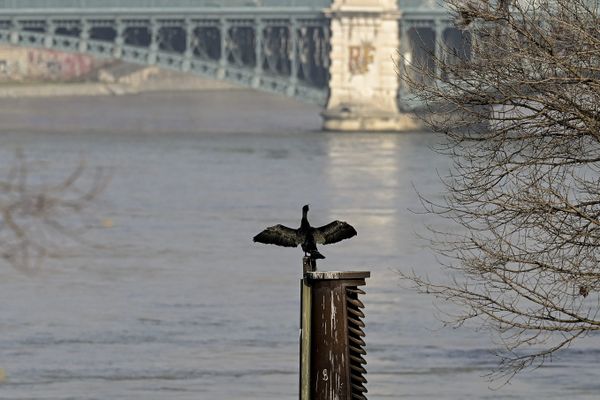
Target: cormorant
(306,235)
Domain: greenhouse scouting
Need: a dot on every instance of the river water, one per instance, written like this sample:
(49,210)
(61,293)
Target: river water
(177,302)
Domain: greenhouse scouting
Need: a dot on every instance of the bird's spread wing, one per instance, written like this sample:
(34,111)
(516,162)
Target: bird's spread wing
(333,232)
(279,235)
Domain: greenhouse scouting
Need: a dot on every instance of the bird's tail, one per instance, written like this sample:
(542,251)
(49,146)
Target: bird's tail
(315,255)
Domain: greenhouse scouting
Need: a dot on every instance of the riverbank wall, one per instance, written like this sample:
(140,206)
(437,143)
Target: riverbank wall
(49,73)
(58,89)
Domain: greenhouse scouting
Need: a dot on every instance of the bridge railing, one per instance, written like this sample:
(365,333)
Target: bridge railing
(99,4)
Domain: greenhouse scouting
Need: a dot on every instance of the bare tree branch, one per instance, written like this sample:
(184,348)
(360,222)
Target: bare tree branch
(37,218)
(522,122)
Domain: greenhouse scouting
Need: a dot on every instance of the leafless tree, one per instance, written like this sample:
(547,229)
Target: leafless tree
(521,116)
(38,217)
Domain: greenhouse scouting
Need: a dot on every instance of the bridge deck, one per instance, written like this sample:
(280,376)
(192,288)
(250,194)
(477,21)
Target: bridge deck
(61,6)
(55,5)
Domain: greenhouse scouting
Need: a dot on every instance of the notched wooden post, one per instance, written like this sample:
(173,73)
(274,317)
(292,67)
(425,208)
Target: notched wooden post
(332,344)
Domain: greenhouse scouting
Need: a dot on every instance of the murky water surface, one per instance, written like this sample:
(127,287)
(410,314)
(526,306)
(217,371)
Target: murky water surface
(182,305)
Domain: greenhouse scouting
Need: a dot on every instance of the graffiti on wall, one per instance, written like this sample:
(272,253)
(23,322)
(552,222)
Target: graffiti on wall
(39,64)
(361,57)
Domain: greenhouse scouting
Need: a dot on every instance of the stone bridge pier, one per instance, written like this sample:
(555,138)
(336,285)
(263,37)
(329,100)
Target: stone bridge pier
(364,82)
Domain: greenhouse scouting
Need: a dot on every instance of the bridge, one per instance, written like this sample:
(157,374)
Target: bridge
(336,53)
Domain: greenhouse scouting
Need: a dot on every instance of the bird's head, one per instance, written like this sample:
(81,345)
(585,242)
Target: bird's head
(305,209)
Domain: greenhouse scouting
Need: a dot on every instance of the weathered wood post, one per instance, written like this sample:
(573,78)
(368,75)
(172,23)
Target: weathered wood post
(331,336)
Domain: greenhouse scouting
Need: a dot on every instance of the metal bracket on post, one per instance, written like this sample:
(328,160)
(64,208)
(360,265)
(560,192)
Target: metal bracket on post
(84,35)
(258,52)
(189,43)
(154,41)
(119,38)
(293,56)
(50,32)
(308,265)
(440,47)
(14,32)
(225,41)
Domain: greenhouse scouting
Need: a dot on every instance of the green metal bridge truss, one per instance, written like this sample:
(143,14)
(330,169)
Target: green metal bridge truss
(280,46)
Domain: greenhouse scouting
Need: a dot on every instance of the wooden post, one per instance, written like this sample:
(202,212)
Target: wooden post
(331,336)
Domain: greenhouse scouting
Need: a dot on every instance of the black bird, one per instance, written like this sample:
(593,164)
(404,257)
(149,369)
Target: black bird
(306,235)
